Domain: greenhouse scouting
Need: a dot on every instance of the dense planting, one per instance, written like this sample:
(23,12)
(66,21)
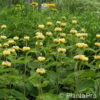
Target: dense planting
(45,55)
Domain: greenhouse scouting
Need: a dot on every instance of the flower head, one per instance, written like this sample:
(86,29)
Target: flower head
(49,33)
(41,59)
(59,40)
(81,34)
(3,37)
(16,47)
(73,31)
(41,26)
(58,29)
(62,40)
(98,36)
(51,5)
(3,26)
(12,50)
(0,45)
(41,70)
(97,57)
(6,63)
(62,50)
(34,3)
(81,57)
(49,23)
(16,38)
(40,36)
(38,33)
(26,49)
(11,42)
(6,52)
(5,45)
(26,38)
(74,21)
(63,24)
(62,34)
(81,45)
(97,44)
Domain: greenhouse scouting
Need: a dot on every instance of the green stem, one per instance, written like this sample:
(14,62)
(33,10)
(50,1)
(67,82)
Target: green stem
(40,91)
(25,74)
(76,76)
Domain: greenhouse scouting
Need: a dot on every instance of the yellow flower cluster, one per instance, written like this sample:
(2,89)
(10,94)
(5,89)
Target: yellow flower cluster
(81,57)
(0,45)
(74,21)
(26,49)
(11,42)
(81,45)
(73,31)
(34,3)
(16,47)
(62,50)
(97,44)
(41,26)
(41,59)
(98,36)
(26,38)
(5,45)
(81,34)
(97,57)
(12,50)
(50,5)
(3,26)
(41,71)
(9,51)
(49,23)
(16,38)
(6,63)
(3,37)
(59,40)
(39,35)
(58,29)
(6,52)
(49,33)
(63,24)
(62,34)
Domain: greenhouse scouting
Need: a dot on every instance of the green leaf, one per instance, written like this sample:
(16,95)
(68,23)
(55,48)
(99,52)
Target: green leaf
(84,85)
(11,92)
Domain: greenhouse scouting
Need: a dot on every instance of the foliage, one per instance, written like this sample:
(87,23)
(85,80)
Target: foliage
(44,67)
(79,5)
